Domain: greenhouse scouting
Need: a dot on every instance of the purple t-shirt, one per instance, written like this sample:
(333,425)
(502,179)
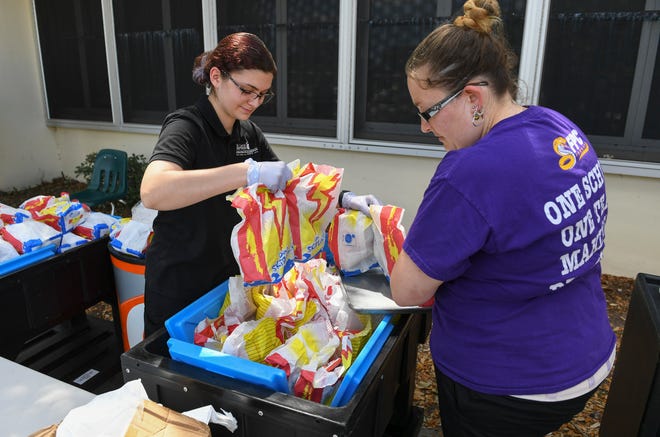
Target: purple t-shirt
(514,226)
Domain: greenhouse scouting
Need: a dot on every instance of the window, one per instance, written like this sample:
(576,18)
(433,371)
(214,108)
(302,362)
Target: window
(303,37)
(123,65)
(601,70)
(387,33)
(157,42)
(73,59)
(651,126)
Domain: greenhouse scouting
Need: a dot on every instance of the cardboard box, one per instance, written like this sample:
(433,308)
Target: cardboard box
(153,420)
(51,431)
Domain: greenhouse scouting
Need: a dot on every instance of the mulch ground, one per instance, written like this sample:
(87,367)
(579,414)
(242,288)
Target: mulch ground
(586,424)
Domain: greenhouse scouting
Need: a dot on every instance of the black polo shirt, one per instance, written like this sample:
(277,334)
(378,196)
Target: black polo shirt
(190,252)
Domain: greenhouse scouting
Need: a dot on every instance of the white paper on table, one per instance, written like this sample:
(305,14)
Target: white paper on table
(110,414)
(107,415)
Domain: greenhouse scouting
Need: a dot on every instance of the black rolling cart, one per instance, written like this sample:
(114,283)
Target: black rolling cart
(380,406)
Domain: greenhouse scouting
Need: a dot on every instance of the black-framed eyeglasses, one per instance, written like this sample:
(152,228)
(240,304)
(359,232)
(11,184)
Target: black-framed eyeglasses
(261,97)
(429,113)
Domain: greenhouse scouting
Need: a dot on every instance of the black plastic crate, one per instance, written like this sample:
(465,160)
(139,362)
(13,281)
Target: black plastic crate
(42,295)
(633,401)
(381,405)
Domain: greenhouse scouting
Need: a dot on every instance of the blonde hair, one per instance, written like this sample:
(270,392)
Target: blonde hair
(473,44)
(481,18)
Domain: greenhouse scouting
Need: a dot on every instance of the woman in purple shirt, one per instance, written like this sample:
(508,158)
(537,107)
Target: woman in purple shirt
(508,240)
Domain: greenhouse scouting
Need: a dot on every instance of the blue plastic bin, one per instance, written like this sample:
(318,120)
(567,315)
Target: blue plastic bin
(27,259)
(181,328)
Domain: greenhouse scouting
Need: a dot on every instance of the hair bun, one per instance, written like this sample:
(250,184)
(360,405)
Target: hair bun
(479,15)
(199,74)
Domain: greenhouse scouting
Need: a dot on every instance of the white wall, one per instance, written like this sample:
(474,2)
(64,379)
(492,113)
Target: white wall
(31,152)
(77,143)
(28,151)
(632,233)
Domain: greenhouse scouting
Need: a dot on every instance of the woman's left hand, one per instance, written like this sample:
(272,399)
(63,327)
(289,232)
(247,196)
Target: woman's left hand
(351,200)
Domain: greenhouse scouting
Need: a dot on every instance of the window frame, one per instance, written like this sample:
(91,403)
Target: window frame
(531,66)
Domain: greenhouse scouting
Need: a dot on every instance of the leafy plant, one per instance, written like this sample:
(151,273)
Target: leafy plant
(136,165)
(86,168)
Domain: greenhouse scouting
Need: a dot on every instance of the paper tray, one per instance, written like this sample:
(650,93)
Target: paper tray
(181,328)
(370,292)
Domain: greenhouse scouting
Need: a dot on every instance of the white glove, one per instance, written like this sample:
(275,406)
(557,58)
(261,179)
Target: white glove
(273,174)
(351,200)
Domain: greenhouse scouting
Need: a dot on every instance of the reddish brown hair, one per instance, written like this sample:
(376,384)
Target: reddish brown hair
(237,51)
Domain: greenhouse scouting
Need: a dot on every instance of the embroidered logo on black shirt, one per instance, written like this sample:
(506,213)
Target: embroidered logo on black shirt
(243,148)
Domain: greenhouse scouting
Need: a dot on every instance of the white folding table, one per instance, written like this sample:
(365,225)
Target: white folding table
(31,400)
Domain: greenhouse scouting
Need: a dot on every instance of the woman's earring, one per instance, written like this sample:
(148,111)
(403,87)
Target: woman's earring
(477,117)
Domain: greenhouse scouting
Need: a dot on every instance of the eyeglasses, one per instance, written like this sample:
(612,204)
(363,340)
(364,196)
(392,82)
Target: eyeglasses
(430,113)
(261,97)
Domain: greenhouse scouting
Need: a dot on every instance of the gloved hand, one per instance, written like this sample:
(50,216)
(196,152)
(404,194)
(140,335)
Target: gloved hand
(351,200)
(273,174)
